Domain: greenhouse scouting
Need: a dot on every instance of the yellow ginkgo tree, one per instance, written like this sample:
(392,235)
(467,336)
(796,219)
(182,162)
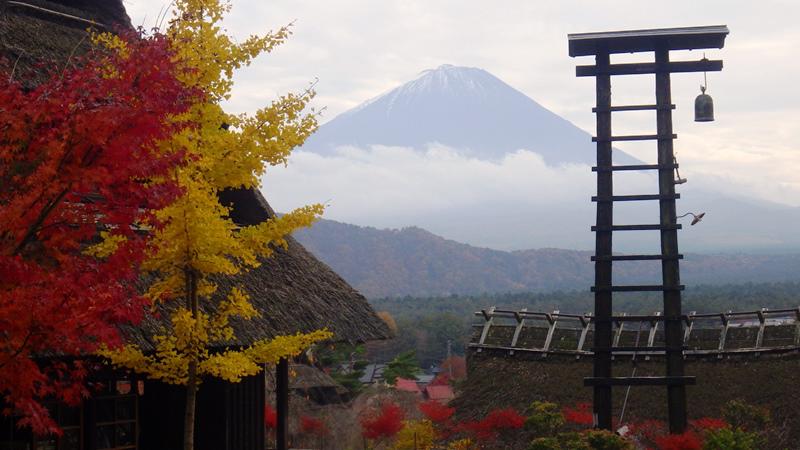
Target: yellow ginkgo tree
(197,242)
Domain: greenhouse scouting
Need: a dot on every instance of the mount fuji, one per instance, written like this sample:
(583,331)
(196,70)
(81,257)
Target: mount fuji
(464,108)
(458,152)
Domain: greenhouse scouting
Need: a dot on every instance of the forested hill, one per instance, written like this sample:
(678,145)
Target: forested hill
(412,261)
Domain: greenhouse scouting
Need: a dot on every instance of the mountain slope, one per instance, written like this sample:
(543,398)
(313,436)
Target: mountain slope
(412,261)
(461,107)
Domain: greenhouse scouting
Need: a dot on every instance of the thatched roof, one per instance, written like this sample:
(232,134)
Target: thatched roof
(293,290)
(41,32)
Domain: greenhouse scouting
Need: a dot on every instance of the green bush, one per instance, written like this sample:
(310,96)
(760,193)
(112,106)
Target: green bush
(743,415)
(730,439)
(606,440)
(544,419)
(545,443)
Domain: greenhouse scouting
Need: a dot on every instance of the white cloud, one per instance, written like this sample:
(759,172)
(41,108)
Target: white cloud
(512,203)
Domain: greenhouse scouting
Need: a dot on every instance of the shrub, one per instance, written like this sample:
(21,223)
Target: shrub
(544,419)
(686,441)
(545,443)
(313,426)
(730,439)
(580,415)
(709,423)
(436,412)
(387,423)
(606,440)
(741,414)
(415,435)
(270,417)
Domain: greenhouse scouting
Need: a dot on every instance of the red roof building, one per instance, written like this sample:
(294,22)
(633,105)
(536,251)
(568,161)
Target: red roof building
(440,393)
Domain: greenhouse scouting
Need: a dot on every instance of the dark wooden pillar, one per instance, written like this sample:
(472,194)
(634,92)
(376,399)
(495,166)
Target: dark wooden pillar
(282,403)
(603,334)
(673,325)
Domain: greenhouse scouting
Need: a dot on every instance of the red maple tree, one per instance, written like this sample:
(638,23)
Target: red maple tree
(497,421)
(77,160)
(435,411)
(581,414)
(313,426)
(384,425)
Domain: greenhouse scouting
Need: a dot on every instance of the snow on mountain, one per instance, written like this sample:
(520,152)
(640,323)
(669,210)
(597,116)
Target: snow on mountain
(464,108)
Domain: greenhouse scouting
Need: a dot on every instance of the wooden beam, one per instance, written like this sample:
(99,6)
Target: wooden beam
(649,68)
(670,166)
(637,227)
(603,308)
(638,288)
(631,108)
(282,403)
(640,381)
(637,257)
(636,137)
(635,198)
(670,269)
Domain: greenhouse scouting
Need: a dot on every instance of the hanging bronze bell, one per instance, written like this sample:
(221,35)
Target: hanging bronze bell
(703,107)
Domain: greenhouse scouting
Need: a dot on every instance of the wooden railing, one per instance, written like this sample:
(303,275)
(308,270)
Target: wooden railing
(720,334)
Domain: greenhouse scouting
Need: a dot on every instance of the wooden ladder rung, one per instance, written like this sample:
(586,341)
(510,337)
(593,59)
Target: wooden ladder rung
(637,318)
(637,227)
(635,137)
(631,198)
(638,349)
(634,108)
(640,381)
(637,288)
(635,167)
(636,257)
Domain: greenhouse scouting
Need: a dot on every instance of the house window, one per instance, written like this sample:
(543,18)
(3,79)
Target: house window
(115,419)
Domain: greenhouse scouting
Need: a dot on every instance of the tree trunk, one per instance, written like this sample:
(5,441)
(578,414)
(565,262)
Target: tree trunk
(191,382)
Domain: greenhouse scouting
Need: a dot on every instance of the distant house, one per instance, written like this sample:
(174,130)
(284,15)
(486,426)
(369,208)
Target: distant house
(373,374)
(440,393)
(406,385)
(293,290)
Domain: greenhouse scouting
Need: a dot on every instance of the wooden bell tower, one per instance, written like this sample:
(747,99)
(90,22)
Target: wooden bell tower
(659,42)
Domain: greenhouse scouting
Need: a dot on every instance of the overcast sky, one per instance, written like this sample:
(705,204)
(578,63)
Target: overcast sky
(358,49)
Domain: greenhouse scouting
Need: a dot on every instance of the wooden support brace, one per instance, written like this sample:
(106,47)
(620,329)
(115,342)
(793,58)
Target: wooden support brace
(585,323)
(553,321)
(797,326)
(618,335)
(724,333)
(520,323)
(762,319)
(651,336)
(689,325)
(489,317)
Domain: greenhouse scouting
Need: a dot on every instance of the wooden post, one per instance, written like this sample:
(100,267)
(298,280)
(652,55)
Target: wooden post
(673,324)
(282,403)
(603,333)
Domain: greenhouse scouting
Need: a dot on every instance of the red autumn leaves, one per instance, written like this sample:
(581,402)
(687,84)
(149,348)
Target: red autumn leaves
(76,159)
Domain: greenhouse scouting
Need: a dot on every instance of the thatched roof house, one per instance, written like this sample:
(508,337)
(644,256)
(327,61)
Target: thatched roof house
(293,290)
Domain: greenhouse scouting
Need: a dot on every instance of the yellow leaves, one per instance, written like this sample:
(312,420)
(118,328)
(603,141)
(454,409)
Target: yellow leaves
(416,434)
(261,237)
(461,444)
(231,366)
(196,243)
(109,243)
(112,42)
(271,351)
